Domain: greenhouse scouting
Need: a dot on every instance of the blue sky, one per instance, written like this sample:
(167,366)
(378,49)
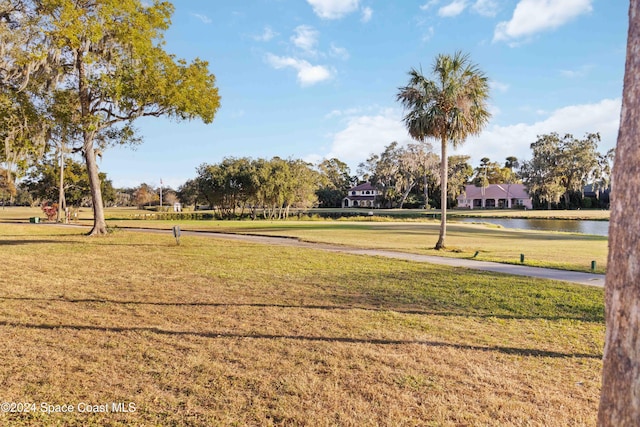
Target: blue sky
(315,79)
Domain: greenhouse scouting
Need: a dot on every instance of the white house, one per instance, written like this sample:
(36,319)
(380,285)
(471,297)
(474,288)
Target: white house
(361,196)
(495,196)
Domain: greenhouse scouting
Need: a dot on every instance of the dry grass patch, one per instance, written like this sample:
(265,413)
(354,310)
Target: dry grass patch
(225,333)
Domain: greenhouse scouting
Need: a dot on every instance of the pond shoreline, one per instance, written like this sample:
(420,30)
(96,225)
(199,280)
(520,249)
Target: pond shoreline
(598,227)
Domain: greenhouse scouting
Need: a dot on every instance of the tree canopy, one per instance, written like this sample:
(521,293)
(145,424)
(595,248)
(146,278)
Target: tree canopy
(562,165)
(108,57)
(274,186)
(42,182)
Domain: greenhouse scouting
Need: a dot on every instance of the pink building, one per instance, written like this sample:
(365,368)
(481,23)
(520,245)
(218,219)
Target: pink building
(495,196)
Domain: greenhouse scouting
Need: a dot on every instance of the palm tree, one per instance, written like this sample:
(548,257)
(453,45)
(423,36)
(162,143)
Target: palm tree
(449,108)
(510,163)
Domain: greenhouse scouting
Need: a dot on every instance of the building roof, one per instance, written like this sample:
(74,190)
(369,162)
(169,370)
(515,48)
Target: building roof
(495,191)
(363,187)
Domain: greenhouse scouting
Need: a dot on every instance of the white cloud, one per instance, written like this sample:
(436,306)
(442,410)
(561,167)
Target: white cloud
(364,134)
(266,35)
(333,9)
(367,134)
(487,8)
(498,142)
(339,52)
(455,8)
(342,113)
(498,86)
(533,16)
(308,74)
(367,13)
(305,38)
(204,18)
(428,35)
(577,73)
(428,5)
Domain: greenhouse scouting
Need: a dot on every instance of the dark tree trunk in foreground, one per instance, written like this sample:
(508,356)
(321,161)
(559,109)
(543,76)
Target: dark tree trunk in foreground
(620,396)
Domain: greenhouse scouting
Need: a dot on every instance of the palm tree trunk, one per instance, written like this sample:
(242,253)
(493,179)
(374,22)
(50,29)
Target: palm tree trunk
(444,172)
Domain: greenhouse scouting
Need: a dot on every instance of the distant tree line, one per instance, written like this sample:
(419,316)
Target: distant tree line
(563,166)
(407,176)
(267,188)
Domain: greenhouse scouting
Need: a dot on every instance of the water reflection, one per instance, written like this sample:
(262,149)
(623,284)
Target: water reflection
(599,228)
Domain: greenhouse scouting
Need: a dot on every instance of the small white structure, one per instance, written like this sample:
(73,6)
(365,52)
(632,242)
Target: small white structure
(177,207)
(495,196)
(361,196)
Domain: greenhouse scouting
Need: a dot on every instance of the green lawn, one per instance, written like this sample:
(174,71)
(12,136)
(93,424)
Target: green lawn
(544,249)
(216,332)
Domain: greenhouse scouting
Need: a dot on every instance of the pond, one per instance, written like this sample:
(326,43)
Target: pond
(599,228)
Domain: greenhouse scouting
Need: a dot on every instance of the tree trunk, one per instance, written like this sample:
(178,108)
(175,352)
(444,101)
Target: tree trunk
(61,200)
(426,192)
(99,224)
(620,394)
(444,174)
(10,181)
(406,194)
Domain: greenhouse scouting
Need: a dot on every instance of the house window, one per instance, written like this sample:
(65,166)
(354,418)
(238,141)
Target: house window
(519,202)
(353,193)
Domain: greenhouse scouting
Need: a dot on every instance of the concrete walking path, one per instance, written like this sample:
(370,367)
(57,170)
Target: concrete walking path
(588,279)
(518,270)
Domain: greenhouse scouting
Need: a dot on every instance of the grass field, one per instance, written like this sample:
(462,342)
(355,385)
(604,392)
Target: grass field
(226,333)
(567,251)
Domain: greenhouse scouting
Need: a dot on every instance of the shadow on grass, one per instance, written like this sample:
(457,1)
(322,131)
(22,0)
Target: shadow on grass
(347,307)
(349,340)
(33,242)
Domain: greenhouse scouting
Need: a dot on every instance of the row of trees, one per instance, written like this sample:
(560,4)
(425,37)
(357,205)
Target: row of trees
(272,187)
(562,166)
(411,175)
(557,174)
(407,176)
(42,183)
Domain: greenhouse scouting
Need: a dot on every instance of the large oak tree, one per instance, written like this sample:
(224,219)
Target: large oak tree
(110,55)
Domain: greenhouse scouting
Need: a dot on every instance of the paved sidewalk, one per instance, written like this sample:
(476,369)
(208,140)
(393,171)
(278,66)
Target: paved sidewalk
(518,270)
